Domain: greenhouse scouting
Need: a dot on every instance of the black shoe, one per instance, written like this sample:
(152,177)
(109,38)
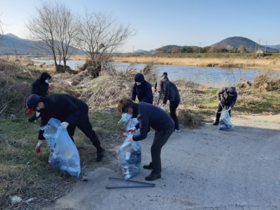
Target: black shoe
(153,177)
(148,167)
(100,155)
(216,123)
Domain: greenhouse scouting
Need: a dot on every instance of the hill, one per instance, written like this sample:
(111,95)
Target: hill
(141,51)
(168,47)
(277,47)
(13,44)
(236,41)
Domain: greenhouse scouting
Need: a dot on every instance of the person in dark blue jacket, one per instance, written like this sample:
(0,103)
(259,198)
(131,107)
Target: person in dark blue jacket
(149,115)
(142,89)
(72,112)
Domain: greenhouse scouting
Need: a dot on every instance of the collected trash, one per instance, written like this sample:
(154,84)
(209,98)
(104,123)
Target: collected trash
(142,184)
(225,122)
(64,156)
(15,199)
(129,152)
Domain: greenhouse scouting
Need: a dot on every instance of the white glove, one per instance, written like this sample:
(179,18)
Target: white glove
(40,142)
(64,125)
(37,114)
(130,138)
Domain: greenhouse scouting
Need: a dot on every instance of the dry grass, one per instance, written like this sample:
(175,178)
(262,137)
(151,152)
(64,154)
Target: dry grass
(262,64)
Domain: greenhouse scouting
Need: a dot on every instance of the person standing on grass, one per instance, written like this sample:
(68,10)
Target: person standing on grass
(149,115)
(142,89)
(71,111)
(227,98)
(171,93)
(40,87)
(159,83)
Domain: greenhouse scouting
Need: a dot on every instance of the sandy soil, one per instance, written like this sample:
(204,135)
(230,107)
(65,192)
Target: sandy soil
(202,169)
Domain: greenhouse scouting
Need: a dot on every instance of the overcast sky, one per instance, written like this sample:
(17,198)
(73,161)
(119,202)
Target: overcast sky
(165,22)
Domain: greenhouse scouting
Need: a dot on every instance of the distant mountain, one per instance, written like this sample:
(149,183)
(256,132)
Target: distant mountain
(277,47)
(12,35)
(168,47)
(141,51)
(236,41)
(12,43)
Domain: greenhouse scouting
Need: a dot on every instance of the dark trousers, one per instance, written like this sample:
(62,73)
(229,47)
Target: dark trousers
(159,140)
(86,128)
(220,108)
(173,106)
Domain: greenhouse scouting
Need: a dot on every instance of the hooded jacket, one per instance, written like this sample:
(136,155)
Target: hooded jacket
(148,116)
(64,108)
(170,92)
(39,86)
(143,91)
(160,81)
(231,94)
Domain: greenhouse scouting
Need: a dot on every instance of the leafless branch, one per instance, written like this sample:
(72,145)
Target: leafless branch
(100,34)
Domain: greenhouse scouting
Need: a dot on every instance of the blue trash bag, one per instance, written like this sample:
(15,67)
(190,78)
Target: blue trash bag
(225,122)
(64,156)
(129,152)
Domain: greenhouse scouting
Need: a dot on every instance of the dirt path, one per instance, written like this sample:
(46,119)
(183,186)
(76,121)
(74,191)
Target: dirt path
(202,169)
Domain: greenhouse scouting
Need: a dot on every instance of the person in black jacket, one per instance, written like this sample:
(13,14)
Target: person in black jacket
(40,87)
(142,89)
(70,111)
(227,97)
(149,115)
(171,93)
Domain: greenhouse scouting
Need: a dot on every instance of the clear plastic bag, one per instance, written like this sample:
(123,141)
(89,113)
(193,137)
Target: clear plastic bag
(129,152)
(225,122)
(64,156)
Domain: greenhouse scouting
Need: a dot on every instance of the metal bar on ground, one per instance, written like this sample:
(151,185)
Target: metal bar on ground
(143,184)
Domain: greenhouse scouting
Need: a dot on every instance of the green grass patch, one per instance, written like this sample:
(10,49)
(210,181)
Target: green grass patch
(212,91)
(27,174)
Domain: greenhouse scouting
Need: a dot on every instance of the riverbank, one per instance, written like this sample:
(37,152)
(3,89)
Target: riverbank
(259,64)
(28,175)
(223,60)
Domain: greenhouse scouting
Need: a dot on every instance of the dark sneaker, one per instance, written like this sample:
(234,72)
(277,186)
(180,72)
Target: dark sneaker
(100,155)
(148,167)
(216,123)
(153,177)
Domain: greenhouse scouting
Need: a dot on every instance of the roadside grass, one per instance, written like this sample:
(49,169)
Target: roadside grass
(27,174)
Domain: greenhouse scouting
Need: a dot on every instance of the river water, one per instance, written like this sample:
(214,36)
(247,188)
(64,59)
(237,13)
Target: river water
(204,75)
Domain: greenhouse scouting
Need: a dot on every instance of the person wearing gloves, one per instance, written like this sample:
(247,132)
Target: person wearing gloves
(227,98)
(40,87)
(149,115)
(71,111)
(142,89)
(159,85)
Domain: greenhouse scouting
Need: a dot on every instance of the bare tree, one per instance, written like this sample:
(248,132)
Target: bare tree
(100,34)
(53,31)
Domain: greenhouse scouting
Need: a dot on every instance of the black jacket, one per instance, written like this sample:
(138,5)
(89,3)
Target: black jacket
(231,94)
(150,115)
(39,86)
(170,92)
(160,81)
(64,108)
(143,91)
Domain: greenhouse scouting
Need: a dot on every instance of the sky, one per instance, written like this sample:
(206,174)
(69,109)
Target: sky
(168,22)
